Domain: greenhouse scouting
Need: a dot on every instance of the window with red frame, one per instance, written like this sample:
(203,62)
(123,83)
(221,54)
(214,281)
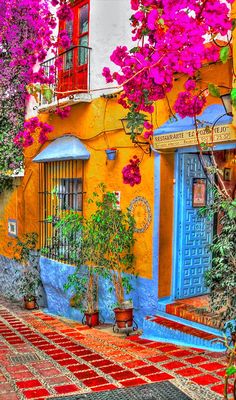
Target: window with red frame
(74,72)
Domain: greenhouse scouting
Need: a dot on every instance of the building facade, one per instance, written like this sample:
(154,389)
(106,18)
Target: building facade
(172,241)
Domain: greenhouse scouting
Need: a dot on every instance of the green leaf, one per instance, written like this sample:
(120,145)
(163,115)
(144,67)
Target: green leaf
(233,96)
(224,54)
(233,23)
(135,49)
(214,90)
(231,370)
(47,94)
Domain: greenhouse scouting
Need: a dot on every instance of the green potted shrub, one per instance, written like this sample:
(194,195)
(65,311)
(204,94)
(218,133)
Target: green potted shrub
(82,236)
(28,280)
(103,242)
(116,232)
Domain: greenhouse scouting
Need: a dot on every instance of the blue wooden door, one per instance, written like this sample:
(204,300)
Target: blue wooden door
(194,232)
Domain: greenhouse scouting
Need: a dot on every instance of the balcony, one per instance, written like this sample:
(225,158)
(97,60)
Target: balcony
(72,77)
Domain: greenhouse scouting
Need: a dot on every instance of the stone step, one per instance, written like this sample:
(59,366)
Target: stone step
(197,314)
(173,329)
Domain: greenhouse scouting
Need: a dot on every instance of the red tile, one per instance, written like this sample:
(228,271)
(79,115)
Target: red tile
(68,362)
(220,389)
(104,388)
(49,372)
(119,376)
(167,349)
(111,368)
(173,365)
(85,374)
(101,363)
(92,357)
(154,345)
(22,375)
(189,372)
(78,367)
(220,373)
(157,359)
(205,380)
(160,377)
(28,384)
(134,364)
(61,356)
(196,359)
(95,382)
(181,353)
(81,353)
(2,378)
(5,388)
(213,366)
(58,380)
(17,368)
(32,394)
(9,396)
(66,389)
(133,382)
(150,369)
(42,364)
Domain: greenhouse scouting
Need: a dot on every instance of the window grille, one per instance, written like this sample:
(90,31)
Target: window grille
(60,190)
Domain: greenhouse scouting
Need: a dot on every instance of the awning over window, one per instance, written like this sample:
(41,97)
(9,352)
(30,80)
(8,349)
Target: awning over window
(67,147)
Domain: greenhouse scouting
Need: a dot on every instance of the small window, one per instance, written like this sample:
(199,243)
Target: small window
(71,194)
(61,190)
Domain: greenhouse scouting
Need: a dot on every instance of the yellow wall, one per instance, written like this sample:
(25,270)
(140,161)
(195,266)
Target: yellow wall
(98,126)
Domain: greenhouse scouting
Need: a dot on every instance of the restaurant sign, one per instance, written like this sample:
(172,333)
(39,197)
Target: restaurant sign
(222,133)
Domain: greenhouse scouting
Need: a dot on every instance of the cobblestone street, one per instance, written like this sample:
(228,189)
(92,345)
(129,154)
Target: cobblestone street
(44,356)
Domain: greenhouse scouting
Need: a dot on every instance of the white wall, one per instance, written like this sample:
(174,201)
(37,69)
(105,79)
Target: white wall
(109,27)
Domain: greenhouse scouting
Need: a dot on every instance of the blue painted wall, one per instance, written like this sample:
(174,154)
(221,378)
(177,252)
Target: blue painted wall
(54,275)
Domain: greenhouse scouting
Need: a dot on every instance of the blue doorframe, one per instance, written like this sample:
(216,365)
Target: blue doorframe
(176,290)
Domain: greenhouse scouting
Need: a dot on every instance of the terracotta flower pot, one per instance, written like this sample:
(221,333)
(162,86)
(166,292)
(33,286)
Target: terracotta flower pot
(92,319)
(124,317)
(29,303)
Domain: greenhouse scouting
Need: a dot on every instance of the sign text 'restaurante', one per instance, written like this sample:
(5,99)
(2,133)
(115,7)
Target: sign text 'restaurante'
(222,133)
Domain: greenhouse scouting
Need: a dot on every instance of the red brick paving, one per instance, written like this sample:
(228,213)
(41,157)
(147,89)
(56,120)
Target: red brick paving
(70,368)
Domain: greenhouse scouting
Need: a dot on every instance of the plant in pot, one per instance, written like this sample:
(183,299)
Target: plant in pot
(28,278)
(117,235)
(100,245)
(82,236)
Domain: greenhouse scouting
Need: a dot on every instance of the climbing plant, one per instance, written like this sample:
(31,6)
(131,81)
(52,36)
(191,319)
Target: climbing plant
(221,278)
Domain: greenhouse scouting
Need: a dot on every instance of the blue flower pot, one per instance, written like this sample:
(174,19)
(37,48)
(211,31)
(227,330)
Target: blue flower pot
(111,154)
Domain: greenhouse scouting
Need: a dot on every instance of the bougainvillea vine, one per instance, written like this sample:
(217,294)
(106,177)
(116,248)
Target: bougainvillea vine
(26,36)
(170,39)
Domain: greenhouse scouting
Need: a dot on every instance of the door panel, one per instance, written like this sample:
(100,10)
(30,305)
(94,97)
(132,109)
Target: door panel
(194,232)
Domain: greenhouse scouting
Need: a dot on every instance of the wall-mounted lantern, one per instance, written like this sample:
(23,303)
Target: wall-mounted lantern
(227,103)
(124,122)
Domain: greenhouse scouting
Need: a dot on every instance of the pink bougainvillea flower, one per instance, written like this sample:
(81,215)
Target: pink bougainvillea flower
(63,112)
(131,172)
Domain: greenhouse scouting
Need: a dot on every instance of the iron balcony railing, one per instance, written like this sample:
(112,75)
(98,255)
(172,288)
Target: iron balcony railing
(71,75)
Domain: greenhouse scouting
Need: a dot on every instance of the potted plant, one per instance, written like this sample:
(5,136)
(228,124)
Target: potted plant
(103,243)
(82,236)
(27,278)
(117,235)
